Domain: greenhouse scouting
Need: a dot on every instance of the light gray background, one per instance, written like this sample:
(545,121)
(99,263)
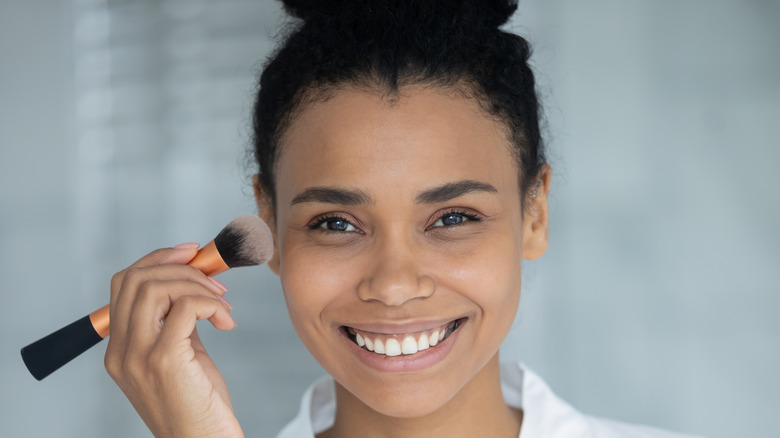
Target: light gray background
(123,127)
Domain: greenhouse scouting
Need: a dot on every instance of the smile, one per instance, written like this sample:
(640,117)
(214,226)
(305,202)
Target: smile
(401,344)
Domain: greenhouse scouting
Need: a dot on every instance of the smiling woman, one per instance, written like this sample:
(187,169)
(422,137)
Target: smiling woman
(402,172)
(413,228)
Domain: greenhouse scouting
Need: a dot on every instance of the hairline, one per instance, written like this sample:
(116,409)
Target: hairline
(462,87)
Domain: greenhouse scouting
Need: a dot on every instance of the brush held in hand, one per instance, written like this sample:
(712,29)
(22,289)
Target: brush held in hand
(246,241)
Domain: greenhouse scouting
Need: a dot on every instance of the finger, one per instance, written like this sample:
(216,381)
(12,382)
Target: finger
(177,255)
(180,322)
(138,279)
(153,304)
(154,301)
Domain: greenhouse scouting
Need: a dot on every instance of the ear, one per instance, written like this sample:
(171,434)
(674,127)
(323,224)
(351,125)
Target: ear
(536,216)
(265,209)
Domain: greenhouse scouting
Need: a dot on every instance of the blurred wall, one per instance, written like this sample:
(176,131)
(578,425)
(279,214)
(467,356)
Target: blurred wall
(656,298)
(123,127)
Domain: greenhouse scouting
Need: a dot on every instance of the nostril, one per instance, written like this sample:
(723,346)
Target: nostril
(426,285)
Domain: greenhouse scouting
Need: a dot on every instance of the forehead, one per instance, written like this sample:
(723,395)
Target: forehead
(424,137)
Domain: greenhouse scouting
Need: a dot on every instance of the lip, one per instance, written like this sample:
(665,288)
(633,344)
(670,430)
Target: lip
(403,363)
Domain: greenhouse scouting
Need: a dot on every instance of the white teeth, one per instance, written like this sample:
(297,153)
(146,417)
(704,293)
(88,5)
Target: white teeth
(409,345)
(434,339)
(422,343)
(392,347)
(379,347)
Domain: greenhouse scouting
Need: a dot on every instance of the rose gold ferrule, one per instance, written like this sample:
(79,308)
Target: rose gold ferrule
(100,321)
(208,260)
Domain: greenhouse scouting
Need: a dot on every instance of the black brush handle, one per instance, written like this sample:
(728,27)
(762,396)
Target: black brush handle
(48,354)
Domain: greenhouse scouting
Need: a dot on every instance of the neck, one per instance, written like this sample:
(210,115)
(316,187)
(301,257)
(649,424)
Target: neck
(478,409)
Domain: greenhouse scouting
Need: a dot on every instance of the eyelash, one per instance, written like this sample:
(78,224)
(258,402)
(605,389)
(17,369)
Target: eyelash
(317,223)
(470,217)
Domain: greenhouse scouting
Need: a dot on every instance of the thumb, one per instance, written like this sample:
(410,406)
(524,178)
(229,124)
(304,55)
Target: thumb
(179,254)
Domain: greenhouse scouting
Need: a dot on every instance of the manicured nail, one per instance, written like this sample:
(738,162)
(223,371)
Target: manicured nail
(187,245)
(225,302)
(218,284)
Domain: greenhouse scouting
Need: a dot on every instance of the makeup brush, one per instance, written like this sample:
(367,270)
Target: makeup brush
(246,241)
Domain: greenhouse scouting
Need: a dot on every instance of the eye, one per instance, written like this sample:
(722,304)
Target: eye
(332,223)
(452,218)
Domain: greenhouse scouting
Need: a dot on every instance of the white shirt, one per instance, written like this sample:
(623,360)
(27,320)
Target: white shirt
(544,414)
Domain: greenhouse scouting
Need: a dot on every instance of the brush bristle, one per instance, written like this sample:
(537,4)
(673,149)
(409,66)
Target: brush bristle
(245,241)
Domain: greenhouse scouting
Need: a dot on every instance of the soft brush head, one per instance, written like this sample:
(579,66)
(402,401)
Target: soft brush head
(245,241)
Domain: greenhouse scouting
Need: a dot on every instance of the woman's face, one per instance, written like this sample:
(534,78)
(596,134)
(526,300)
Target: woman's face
(399,228)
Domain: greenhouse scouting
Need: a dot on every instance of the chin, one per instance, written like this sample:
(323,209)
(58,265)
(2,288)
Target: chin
(410,404)
(397,396)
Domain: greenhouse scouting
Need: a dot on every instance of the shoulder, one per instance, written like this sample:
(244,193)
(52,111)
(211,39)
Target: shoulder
(547,415)
(316,413)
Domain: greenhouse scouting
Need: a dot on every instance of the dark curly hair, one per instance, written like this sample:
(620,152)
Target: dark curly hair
(386,44)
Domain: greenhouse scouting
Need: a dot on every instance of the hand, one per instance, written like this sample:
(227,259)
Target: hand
(154,353)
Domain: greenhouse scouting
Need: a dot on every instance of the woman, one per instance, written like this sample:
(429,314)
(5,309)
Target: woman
(402,171)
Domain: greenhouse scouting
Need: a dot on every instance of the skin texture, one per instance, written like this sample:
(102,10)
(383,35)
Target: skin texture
(394,262)
(402,256)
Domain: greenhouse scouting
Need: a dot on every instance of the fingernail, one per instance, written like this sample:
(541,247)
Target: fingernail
(187,245)
(218,284)
(225,302)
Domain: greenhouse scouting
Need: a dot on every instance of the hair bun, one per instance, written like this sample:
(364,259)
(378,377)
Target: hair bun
(469,13)
(492,13)
(306,9)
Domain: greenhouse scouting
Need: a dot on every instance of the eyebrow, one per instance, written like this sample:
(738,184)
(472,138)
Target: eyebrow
(453,190)
(331,195)
(446,192)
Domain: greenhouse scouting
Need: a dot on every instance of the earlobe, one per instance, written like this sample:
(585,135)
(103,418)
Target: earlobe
(536,216)
(266,212)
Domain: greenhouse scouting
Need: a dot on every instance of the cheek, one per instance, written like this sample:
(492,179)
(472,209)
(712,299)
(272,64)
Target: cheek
(489,277)
(312,283)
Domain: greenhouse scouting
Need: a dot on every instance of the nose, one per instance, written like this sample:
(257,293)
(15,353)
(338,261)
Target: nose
(395,275)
